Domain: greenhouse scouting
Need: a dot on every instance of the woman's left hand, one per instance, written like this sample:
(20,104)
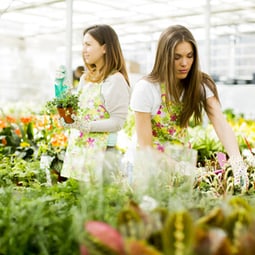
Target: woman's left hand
(239,169)
(82,125)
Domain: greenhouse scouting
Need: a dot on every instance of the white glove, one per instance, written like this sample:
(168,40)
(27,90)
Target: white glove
(239,169)
(82,125)
(250,159)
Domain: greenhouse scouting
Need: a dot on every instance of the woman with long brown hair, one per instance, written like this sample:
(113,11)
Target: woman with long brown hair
(104,100)
(175,91)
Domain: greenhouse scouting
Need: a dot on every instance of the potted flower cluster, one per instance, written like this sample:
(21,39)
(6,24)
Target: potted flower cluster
(66,105)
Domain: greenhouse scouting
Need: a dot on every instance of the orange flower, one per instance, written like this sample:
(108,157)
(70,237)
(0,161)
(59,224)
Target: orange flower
(50,127)
(2,124)
(26,120)
(41,121)
(59,140)
(10,119)
(4,142)
(17,132)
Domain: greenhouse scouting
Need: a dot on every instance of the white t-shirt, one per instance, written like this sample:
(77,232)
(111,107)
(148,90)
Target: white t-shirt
(146,97)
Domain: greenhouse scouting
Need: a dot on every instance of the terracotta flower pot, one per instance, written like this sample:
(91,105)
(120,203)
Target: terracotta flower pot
(66,114)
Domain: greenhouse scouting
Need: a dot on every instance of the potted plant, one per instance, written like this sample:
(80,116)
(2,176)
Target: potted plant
(66,105)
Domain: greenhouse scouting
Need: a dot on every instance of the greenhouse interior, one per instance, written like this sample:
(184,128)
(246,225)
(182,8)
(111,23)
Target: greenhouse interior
(37,36)
(192,195)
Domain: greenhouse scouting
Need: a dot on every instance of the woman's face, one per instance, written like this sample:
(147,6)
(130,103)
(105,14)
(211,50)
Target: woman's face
(92,51)
(183,59)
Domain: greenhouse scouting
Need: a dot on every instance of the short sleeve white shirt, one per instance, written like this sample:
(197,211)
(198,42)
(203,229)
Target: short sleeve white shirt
(146,97)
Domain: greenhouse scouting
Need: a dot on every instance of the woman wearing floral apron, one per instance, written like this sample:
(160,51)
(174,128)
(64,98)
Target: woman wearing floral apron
(104,95)
(173,92)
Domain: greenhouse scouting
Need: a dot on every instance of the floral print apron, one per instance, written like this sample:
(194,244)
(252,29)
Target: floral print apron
(165,125)
(168,136)
(85,152)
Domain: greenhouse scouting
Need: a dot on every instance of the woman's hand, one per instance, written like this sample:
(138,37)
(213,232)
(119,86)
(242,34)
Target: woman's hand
(239,169)
(82,125)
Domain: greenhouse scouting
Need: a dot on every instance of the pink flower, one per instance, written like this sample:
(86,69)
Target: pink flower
(159,110)
(106,235)
(90,141)
(171,131)
(173,117)
(83,250)
(87,117)
(160,148)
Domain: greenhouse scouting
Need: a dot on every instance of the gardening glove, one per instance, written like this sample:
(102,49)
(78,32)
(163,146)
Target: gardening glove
(250,159)
(239,169)
(82,125)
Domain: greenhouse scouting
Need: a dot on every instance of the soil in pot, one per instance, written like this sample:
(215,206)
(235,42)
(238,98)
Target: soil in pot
(66,114)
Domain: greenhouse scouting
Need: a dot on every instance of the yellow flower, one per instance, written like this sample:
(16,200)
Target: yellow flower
(24,144)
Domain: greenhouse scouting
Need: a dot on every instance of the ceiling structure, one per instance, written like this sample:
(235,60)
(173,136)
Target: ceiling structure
(136,21)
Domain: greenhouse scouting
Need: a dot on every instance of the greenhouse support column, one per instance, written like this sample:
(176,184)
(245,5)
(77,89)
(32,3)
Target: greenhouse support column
(207,37)
(69,36)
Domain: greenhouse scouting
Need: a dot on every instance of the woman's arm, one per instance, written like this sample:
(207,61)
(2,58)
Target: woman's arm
(228,139)
(143,129)
(222,128)
(116,94)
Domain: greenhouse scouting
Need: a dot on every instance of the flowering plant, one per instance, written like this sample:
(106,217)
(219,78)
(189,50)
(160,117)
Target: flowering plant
(17,136)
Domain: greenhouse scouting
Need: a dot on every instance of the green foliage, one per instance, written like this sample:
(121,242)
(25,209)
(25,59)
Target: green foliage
(206,143)
(68,99)
(19,172)
(38,217)
(37,221)
(41,219)
(231,115)
(129,126)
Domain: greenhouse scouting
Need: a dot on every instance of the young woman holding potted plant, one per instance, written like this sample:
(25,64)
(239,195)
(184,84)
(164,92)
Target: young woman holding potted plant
(104,94)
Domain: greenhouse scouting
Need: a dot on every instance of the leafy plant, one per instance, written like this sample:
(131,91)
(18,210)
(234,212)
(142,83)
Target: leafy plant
(205,142)
(68,99)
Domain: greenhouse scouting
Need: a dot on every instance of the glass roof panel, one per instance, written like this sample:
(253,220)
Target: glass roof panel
(25,18)
(134,21)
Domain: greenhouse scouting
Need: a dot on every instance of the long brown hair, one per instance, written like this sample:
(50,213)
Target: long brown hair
(192,91)
(113,58)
